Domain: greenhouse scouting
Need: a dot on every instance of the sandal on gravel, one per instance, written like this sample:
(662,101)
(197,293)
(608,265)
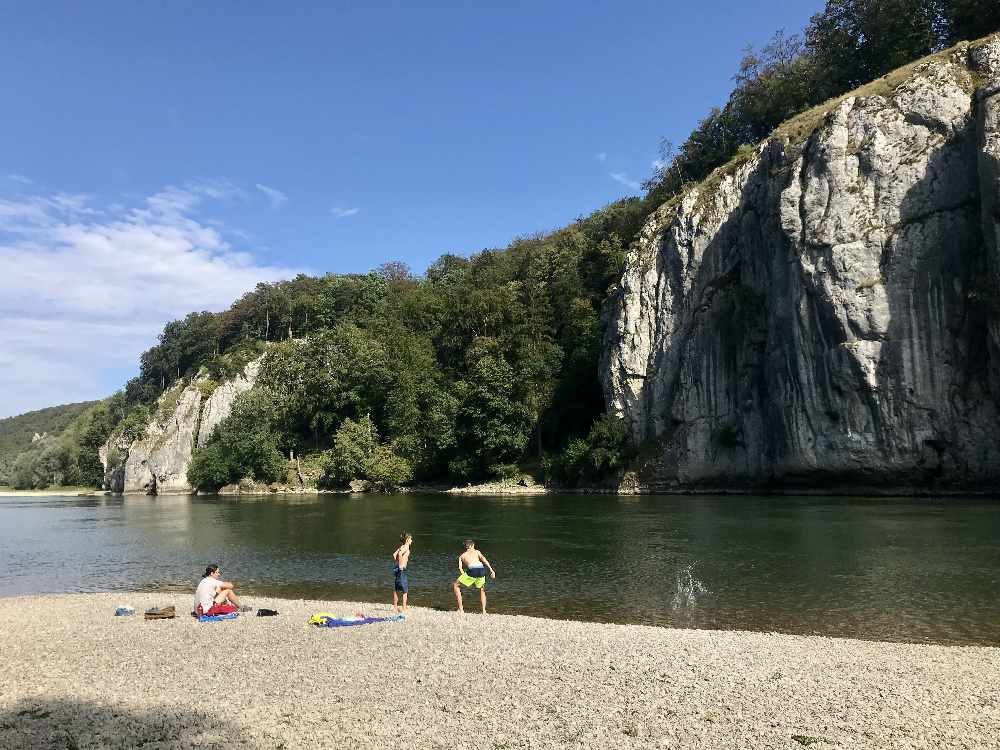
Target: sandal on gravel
(160,613)
(246,608)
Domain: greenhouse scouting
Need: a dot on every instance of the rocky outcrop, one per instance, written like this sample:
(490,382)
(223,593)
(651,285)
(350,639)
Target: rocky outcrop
(825,314)
(220,403)
(157,462)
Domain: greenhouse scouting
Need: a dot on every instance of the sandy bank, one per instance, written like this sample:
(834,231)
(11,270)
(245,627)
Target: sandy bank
(75,676)
(50,492)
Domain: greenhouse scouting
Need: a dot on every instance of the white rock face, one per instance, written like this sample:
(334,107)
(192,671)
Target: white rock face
(826,315)
(220,404)
(158,462)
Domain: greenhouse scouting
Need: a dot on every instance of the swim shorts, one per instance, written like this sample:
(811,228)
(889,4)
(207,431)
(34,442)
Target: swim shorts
(402,582)
(218,609)
(473,577)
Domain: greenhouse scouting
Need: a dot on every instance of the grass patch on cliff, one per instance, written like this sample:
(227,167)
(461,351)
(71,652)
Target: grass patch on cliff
(207,386)
(798,129)
(166,406)
(708,187)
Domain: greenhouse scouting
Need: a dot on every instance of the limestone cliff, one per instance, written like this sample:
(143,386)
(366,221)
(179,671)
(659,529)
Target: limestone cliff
(157,462)
(825,313)
(220,402)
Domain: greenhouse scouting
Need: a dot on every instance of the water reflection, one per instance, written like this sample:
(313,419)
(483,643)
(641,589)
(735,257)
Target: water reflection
(913,570)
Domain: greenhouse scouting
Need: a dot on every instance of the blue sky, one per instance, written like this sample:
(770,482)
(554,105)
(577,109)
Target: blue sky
(158,158)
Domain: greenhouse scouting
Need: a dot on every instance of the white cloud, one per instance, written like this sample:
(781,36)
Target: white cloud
(15,177)
(273,194)
(84,290)
(602,157)
(28,214)
(343,213)
(624,180)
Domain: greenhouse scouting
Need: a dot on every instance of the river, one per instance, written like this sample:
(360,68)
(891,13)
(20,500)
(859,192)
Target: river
(918,570)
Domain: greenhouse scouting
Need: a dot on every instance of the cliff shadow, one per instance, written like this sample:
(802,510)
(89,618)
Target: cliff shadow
(790,361)
(70,724)
(707,373)
(937,371)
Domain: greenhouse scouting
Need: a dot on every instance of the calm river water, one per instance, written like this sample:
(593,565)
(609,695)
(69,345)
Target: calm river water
(908,570)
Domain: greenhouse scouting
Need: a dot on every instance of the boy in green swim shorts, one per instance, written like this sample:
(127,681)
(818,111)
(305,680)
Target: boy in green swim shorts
(471,572)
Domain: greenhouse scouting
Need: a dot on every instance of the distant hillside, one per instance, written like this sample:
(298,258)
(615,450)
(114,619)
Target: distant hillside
(16,432)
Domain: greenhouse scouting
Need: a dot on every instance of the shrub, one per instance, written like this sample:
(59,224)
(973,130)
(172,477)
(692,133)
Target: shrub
(607,450)
(133,427)
(506,472)
(388,470)
(209,469)
(353,449)
(357,454)
(24,474)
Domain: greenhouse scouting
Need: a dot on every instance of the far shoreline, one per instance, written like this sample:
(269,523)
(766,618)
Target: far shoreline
(500,490)
(51,492)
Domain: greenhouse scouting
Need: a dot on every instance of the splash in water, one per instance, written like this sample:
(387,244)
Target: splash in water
(689,589)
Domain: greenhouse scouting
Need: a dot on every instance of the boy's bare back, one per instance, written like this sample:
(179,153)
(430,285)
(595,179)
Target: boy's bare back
(472,558)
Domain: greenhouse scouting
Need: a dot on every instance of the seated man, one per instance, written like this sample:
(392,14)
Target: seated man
(215,597)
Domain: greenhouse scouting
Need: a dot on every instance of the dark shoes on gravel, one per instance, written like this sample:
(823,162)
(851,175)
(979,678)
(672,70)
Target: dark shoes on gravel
(160,613)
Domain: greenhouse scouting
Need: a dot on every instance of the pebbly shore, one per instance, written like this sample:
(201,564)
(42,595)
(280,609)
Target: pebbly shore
(75,676)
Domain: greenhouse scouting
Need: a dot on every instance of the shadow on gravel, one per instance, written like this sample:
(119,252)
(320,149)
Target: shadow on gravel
(72,724)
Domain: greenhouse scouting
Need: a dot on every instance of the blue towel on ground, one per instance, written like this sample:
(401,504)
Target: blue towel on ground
(217,618)
(331,622)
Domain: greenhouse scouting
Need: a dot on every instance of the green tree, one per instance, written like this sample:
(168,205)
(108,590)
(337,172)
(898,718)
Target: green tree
(316,383)
(242,446)
(969,19)
(492,426)
(26,474)
(352,452)
(606,451)
(856,41)
(357,454)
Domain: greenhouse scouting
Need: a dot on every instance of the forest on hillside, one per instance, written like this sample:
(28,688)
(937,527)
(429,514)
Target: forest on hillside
(20,433)
(487,364)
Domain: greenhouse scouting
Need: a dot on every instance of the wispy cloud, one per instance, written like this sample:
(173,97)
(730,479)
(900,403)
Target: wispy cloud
(601,157)
(26,214)
(86,288)
(15,177)
(622,178)
(343,213)
(273,194)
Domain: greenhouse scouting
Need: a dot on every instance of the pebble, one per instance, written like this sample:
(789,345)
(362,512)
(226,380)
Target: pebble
(76,676)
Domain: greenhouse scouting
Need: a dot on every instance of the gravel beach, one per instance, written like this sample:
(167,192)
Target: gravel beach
(75,676)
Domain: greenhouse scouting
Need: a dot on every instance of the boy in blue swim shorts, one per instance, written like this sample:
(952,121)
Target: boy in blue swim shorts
(472,565)
(401,557)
